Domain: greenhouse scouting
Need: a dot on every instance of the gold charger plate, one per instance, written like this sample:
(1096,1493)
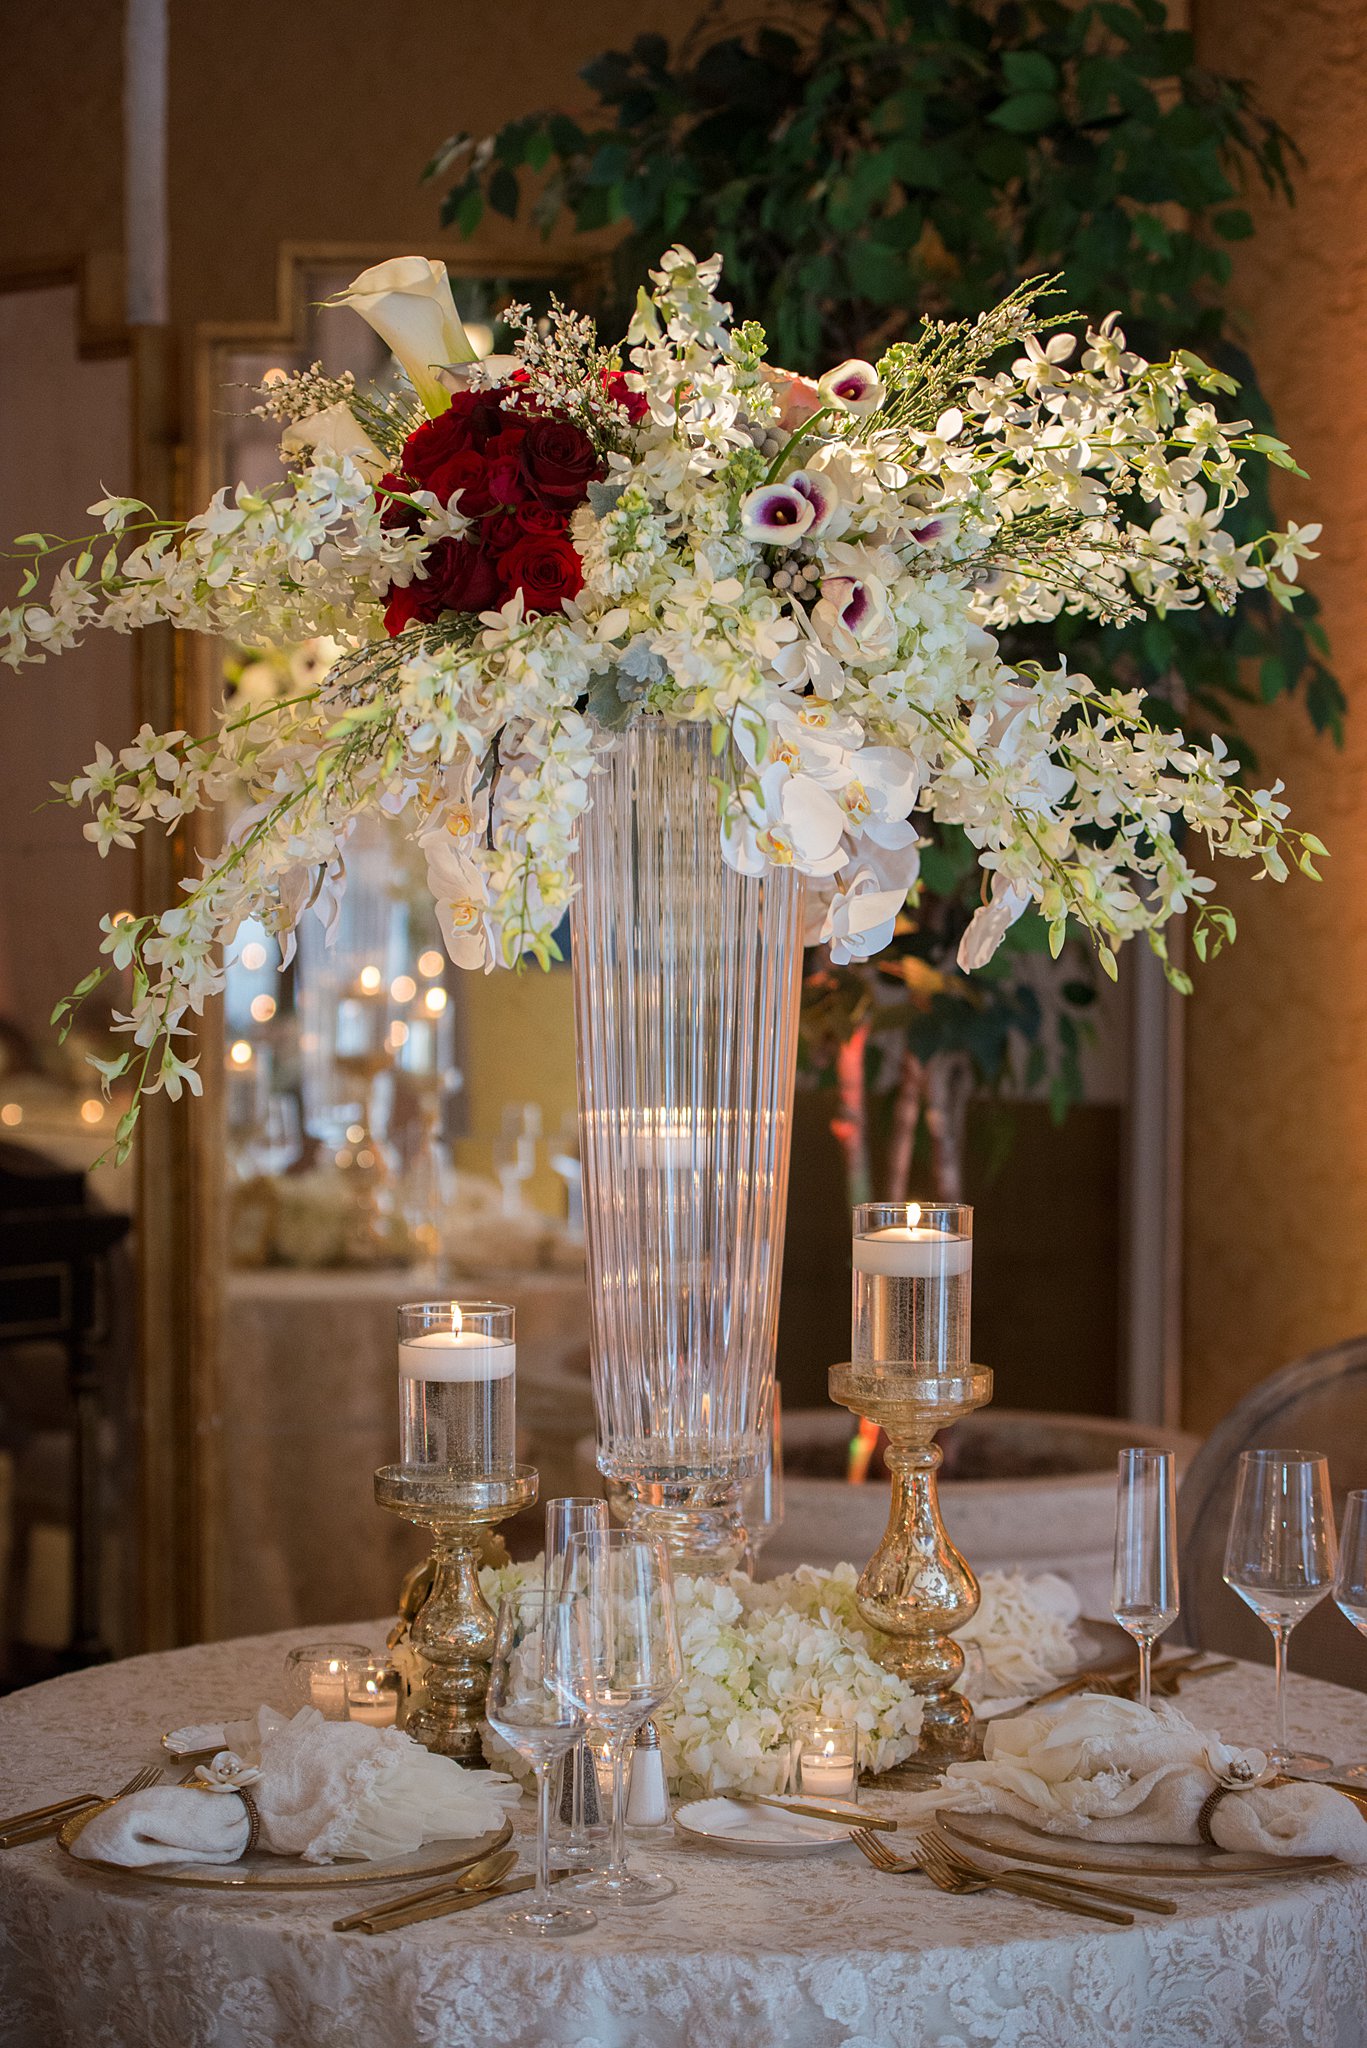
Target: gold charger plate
(260,1871)
(1017,1842)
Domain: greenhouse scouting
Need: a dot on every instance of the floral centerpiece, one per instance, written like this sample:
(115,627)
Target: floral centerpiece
(517,557)
(758,1659)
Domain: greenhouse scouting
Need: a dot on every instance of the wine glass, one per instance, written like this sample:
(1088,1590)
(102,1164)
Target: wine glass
(1280,1558)
(626,1663)
(530,1705)
(567,1518)
(1350,1582)
(1144,1584)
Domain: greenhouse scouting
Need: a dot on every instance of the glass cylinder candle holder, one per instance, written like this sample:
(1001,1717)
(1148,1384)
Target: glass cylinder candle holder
(320,1675)
(825,1760)
(373,1693)
(913,1285)
(457,1387)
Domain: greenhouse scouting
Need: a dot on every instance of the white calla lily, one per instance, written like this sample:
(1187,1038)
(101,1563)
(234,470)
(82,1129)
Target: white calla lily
(408,302)
(334,431)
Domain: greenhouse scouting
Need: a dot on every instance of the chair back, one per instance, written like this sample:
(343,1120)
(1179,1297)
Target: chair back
(1318,1404)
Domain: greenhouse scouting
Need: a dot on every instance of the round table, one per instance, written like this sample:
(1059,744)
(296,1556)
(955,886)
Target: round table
(820,1952)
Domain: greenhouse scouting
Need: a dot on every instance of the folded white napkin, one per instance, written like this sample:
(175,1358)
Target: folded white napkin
(1020,1641)
(322,1790)
(1113,1771)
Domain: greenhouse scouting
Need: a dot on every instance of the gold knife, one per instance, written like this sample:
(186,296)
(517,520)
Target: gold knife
(811,1811)
(479,1876)
(28,1827)
(457,1903)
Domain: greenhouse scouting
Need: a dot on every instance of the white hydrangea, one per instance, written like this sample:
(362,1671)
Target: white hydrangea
(760,1659)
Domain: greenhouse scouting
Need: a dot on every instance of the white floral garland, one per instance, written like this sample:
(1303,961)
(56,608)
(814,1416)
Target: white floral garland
(760,1658)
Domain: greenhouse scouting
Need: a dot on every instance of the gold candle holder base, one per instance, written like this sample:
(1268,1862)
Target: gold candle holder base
(453,1631)
(916,1588)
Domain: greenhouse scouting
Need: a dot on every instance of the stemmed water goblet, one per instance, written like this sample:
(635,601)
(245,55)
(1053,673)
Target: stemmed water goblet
(1144,1597)
(531,1705)
(625,1664)
(566,1518)
(1350,1582)
(1280,1559)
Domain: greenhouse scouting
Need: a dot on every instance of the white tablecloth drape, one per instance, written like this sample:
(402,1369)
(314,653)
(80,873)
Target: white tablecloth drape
(819,1953)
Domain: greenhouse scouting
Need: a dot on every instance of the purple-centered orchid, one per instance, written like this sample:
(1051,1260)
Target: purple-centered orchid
(852,387)
(820,493)
(776,515)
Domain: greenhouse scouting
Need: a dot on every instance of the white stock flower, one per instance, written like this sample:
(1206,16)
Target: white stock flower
(408,302)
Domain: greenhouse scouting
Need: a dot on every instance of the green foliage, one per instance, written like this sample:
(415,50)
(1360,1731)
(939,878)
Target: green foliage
(895,158)
(888,160)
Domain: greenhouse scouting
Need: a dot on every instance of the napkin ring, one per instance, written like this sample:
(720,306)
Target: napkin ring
(1208,1806)
(253,1819)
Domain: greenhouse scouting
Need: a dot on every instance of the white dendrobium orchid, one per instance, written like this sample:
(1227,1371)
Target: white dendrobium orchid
(836,630)
(787,821)
(853,387)
(334,431)
(991,921)
(408,302)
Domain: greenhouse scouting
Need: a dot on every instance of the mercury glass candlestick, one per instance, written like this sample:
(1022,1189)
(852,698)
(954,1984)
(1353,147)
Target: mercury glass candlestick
(453,1631)
(911,1374)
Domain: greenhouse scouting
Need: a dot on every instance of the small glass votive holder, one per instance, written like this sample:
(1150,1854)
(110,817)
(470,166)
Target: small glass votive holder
(319,1675)
(372,1693)
(825,1760)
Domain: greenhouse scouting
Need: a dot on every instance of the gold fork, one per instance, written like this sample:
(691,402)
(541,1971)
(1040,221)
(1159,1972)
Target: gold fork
(948,1875)
(47,1820)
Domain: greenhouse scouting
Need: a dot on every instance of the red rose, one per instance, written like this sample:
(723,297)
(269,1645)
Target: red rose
(461,577)
(545,567)
(505,529)
(559,462)
(634,404)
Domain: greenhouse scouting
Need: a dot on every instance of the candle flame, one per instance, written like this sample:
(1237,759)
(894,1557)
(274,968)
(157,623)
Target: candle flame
(913,1215)
(456,1319)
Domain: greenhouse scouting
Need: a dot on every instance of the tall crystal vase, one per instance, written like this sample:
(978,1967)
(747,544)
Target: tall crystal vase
(686,984)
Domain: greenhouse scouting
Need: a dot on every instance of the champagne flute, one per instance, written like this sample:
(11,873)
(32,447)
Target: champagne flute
(1280,1558)
(1350,1583)
(530,1705)
(566,1518)
(626,1663)
(1144,1598)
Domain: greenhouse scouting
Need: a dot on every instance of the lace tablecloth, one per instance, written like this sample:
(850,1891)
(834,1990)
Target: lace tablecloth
(822,1952)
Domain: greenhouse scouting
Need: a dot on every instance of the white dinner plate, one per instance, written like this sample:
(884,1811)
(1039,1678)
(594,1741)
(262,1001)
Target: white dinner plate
(759,1830)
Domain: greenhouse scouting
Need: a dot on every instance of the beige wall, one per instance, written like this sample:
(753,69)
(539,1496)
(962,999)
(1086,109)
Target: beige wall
(1276,1181)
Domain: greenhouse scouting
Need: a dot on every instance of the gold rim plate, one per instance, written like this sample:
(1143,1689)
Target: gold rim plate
(1017,1842)
(261,1872)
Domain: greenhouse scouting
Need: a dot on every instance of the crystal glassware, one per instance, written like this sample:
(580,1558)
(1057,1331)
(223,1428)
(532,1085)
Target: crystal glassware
(1280,1558)
(1350,1582)
(762,1500)
(1144,1596)
(457,1387)
(530,1703)
(913,1284)
(566,1518)
(626,1663)
(686,985)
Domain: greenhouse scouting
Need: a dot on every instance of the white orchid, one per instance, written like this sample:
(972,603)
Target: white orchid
(835,625)
(785,820)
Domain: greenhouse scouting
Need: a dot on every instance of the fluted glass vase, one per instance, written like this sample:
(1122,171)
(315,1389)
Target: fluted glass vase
(686,985)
